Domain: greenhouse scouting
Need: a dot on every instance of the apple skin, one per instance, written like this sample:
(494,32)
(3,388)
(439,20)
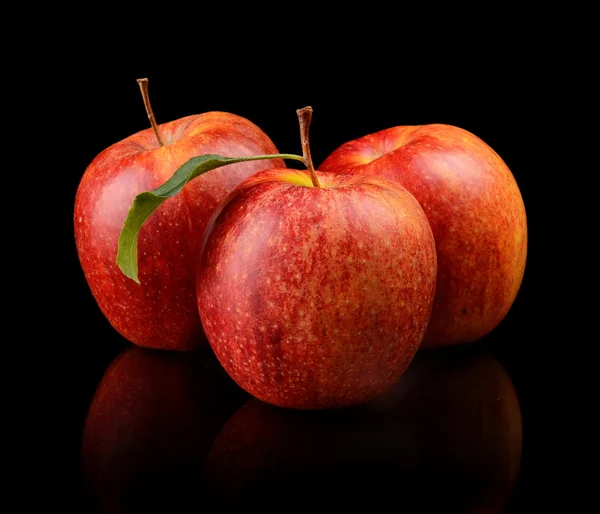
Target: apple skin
(447,437)
(149,427)
(476,212)
(162,312)
(316,297)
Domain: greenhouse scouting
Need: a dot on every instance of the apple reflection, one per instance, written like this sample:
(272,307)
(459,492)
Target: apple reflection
(149,427)
(446,438)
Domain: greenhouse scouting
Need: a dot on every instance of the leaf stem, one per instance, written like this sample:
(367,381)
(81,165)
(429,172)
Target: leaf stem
(146,202)
(143,83)
(305,117)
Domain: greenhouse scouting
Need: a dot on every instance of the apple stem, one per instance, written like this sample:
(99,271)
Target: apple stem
(144,88)
(304,117)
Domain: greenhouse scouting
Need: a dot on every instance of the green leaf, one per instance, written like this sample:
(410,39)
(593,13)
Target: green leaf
(145,203)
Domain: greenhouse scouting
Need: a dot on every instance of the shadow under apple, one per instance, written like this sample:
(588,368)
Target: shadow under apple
(149,427)
(446,438)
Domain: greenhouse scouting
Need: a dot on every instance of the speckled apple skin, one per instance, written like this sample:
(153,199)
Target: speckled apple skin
(161,312)
(316,298)
(476,212)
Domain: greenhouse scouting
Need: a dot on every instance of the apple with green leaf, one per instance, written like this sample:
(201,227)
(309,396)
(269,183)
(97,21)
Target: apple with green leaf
(156,306)
(476,212)
(315,289)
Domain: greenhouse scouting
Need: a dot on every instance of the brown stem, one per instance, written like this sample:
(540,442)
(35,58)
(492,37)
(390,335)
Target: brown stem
(304,117)
(144,88)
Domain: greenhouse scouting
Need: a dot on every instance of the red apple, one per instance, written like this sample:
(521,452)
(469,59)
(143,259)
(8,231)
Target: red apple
(476,212)
(315,289)
(161,312)
(150,425)
(447,437)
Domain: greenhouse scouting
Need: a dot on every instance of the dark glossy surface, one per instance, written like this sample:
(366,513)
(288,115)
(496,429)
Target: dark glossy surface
(170,432)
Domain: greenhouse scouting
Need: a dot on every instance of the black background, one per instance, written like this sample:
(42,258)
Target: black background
(356,84)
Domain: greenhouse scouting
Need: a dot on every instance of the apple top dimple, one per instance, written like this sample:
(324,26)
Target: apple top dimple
(374,146)
(327,180)
(178,130)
